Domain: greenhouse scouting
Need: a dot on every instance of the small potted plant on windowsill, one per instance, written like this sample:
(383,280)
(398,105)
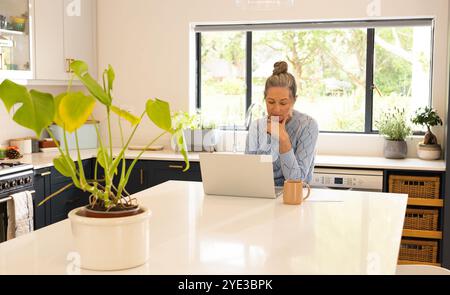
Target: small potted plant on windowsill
(395,129)
(429,149)
(112,232)
(200,136)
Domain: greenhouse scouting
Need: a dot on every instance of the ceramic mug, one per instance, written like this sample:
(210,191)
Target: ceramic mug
(293,192)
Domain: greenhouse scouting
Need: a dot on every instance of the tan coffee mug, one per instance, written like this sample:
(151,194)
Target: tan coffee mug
(293,192)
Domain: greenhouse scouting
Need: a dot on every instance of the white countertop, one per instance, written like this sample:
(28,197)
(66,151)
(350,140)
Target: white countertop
(333,232)
(379,163)
(42,160)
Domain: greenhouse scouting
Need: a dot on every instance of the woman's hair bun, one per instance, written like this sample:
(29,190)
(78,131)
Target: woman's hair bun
(280,67)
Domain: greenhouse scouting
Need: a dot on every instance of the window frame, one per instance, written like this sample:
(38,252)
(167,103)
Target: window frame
(370,61)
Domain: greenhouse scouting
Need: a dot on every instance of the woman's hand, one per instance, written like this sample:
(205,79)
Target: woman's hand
(281,134)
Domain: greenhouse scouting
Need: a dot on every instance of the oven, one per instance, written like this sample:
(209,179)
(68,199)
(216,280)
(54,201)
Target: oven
(14,178)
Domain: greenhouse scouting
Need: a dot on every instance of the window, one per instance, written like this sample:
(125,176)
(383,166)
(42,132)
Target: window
(348,74)
(223,73)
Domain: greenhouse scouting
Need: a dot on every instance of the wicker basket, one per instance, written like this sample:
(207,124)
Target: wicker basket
(418,251)
(421,219)
(425,187)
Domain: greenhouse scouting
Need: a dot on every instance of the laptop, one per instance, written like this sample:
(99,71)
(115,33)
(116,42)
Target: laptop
(238,175)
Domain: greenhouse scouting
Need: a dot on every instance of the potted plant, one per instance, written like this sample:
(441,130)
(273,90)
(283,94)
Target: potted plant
(112,232)
(200,136)
(394,127)
(429,149)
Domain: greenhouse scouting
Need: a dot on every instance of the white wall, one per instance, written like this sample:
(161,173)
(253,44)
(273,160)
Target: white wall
(149,43)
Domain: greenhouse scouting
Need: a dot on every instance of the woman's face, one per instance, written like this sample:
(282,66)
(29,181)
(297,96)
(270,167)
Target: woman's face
(279,103)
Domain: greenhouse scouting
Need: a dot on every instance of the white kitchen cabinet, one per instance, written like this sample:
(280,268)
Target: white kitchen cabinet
(65,30)
(15,41)
(49,40)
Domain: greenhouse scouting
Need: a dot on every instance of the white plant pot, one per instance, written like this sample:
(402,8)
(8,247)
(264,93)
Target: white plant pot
(111,243)
(429,151)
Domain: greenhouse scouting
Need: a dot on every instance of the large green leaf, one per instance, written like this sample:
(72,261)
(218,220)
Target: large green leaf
(64,165)
(159,112)
(37,109)
(126,115)
(111,77)
(74,110)
(57,119)
(80,70)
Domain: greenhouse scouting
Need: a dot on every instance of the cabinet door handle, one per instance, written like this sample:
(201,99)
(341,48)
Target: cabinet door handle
(175,167)
(142,176)
(45,174)
(68,62)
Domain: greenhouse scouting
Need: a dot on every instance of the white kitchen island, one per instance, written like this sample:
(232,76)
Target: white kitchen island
(333,232)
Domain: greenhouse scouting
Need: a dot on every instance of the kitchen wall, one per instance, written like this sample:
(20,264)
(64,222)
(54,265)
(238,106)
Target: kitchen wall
(150,44)
(9,129)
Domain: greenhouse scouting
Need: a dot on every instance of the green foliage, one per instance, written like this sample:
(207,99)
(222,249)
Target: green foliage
(427,117)
(126,115)
(71,110)
(74,109)
(80,69)
(194,122)
(226,86)
(159,112)
(184,119)
(36,111)
(393,75)
(393,125)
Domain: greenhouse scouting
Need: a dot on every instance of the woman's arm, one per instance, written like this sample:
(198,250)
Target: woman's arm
(251,144)
(297,164)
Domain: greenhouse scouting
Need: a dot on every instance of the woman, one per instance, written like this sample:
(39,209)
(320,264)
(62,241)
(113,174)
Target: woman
(288,135)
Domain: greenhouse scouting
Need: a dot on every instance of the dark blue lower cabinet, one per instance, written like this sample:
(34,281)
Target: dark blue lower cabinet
(162,171)
(48,181)
(149,173)
(138,180)
(41,183)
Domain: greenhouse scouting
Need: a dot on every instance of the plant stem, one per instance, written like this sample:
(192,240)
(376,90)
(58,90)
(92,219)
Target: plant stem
(123,170)
(124,148)
(84,184)
(74,172)
(107,180)
(123,182)
(109,133)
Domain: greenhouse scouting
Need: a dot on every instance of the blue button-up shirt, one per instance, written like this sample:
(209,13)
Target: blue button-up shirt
(296,164)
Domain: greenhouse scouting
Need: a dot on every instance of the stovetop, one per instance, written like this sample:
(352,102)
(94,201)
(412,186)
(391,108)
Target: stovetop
(15,177)
(13,166)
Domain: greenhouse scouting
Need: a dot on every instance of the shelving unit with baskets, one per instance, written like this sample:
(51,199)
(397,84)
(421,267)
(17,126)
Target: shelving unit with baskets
(422,232)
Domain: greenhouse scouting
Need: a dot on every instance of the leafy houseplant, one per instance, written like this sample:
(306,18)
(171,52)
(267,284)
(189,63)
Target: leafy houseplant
(199,135)
(394,127)
(429,149)
(100,225)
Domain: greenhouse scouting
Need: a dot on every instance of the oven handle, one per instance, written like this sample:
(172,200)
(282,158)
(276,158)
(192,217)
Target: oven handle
(10,198)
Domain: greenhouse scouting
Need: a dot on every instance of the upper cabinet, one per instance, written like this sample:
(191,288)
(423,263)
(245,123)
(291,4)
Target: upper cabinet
(15,39)
(65,30)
